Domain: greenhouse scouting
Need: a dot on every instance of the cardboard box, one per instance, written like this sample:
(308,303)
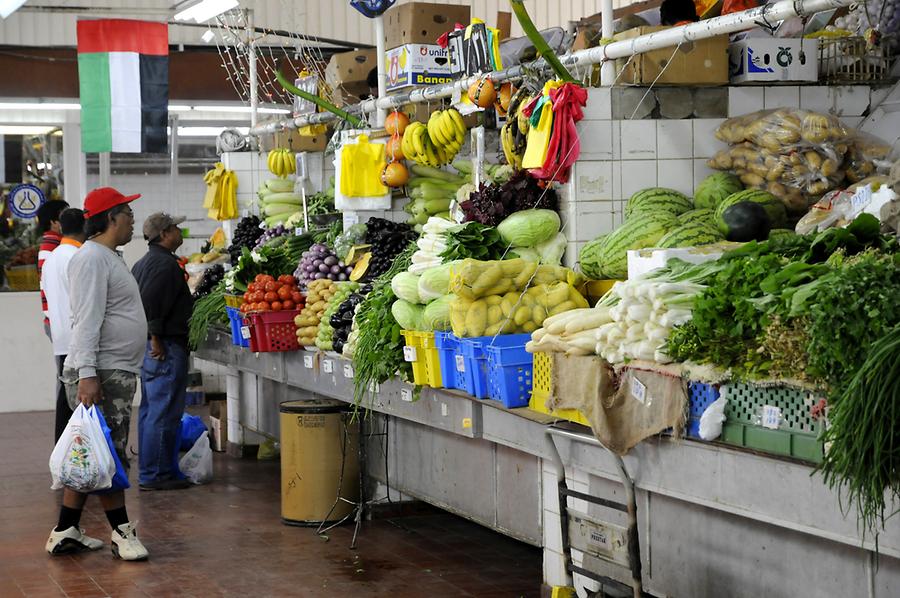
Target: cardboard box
(350,68)
(347,95)
(417,64)
(421,22)
(293,140)
(766,60)
(218,425)
(703,62)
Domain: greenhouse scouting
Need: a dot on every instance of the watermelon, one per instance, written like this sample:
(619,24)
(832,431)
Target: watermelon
(607,257)
(707,217)
(715,188)
(774,207)
(658,200)
(690,234)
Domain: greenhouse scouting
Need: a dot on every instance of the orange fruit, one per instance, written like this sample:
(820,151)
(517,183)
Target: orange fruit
(482,93)
(396,123)
(395,174)
(394,149)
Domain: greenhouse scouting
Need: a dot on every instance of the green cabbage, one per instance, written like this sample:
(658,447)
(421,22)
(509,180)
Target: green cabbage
(406,286)
(435,282)
(552,251)
(436,315)
(409,316)
(528,254)
(529,227)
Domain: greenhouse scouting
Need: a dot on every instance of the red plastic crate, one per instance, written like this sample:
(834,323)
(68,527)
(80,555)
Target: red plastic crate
(273,331)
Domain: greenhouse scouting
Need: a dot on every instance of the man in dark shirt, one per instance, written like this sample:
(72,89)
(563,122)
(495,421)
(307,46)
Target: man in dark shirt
(167,303)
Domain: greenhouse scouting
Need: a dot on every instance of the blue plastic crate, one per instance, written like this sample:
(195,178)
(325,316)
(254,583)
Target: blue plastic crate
(475,360)
(510,371)
(237,322)
(700,396)
(450,357)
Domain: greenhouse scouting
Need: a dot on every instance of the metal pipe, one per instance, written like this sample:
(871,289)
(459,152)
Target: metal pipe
(381,114)
(254,81)
(674,36)
(608,68)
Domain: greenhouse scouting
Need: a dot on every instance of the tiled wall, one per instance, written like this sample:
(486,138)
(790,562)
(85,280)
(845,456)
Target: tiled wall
(620,157)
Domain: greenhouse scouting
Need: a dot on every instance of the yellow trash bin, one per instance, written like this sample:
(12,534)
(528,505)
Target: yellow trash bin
(319,461)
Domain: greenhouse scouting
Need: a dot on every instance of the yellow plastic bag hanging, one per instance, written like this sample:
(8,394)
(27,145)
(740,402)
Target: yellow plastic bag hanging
(212,178)
(225,202)
(361,166)
(539,135)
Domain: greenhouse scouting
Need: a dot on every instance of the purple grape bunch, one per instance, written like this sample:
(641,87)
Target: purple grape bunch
(320,262)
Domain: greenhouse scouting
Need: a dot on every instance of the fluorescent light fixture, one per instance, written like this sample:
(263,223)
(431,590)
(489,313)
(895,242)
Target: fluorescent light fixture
(205,10)
(25,129)
(7,7)
(208,36)
(243,109)
(206,131)
(38,106)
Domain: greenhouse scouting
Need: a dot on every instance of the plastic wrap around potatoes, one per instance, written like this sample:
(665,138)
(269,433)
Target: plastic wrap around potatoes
(797,155)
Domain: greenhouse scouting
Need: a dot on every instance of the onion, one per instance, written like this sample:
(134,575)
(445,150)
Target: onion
(324,268)
(331,260)
(334,269)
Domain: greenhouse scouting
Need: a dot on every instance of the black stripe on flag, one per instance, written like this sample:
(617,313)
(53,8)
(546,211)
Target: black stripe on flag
(154,104)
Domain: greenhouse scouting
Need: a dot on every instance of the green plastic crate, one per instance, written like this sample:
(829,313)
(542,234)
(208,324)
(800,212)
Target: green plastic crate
(798,431)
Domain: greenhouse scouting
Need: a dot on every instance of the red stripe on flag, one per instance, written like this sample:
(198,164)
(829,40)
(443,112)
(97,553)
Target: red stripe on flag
(123,35)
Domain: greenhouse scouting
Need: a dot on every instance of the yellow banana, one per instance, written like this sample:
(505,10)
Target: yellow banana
(434,129)
(269,161)
(457,119)
(418,139)
(448,128)
(293,161)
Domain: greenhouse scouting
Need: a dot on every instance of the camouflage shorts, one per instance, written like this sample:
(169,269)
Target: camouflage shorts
(118,388)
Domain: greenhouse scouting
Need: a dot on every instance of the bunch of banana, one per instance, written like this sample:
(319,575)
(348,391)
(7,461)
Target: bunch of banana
(282,162)
(436,143)
(514,134)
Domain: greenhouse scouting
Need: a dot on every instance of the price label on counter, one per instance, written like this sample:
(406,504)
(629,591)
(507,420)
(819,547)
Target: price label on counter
(460,364)
(406,395)
(771,417)
(348,370)
(245,333)
(328,366)
(409,354)
(308,362)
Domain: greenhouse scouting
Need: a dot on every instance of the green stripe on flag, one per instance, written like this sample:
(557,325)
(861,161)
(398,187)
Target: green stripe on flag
(96,121)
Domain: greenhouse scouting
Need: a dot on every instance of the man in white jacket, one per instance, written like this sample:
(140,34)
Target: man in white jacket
(55,282)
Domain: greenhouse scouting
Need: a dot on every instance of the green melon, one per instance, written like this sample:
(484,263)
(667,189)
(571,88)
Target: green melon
(715,188)
(705,216)
(690,234)
(774,207)
(658,200)
(607,256)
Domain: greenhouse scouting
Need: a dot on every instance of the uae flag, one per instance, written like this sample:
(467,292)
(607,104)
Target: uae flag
(123,75)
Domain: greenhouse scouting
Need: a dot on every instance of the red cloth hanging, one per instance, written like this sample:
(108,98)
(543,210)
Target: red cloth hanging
(568,102)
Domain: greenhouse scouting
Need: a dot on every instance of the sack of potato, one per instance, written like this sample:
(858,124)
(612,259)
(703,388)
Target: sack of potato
(796,155)
(513,312)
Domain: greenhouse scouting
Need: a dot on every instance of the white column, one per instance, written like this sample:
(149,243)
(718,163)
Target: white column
(381,114)
(74,162)
(608,69)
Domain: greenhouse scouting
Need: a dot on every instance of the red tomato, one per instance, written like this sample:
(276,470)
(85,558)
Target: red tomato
(271,286)
(268,278)
(259,296)
(248,296)
(276,306)
(287,279)
(259,278)
(297,297)
(245,307)
(264,306)
(284,293)
(251,288)
(270,297)
(287,305)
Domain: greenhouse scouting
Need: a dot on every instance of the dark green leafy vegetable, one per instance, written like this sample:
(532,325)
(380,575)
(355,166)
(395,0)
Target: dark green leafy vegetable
(379,349)
(207,310)
(474,240)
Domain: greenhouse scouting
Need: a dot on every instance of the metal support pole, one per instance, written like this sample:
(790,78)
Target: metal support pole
(254,92)
(104,169)
(608,68)
(173,164)
(381,113)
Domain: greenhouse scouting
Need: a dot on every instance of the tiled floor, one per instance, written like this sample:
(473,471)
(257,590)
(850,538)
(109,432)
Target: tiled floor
(225,539)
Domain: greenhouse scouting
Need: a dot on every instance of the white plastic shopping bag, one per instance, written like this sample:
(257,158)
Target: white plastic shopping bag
(197,463)
(712,419)
(81,459)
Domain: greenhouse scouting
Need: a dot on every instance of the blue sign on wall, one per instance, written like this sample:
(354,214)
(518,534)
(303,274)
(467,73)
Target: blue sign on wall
(25,200)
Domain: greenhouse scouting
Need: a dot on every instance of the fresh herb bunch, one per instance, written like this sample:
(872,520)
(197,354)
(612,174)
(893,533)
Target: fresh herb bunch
(473,240)
(490,204)
(207,310)
(379,348)
(863,434)
(319,203)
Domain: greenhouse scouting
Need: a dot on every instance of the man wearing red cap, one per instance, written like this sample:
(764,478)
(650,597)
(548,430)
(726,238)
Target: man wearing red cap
(106,350)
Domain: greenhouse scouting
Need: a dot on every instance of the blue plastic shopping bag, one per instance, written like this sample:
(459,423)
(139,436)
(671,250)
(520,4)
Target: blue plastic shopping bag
(120,479)
(192,427)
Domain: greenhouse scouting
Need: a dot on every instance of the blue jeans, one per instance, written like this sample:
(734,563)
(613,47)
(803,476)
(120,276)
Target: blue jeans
(163,386)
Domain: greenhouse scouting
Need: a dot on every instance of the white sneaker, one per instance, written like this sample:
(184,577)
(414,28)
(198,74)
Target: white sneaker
(71,540)
(125,544)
